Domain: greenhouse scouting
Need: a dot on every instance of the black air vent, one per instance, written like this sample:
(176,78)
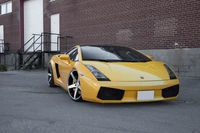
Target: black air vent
(170,92)
(57,71)
(110,94)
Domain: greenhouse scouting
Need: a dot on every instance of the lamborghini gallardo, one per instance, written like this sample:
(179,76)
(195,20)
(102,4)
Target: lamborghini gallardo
(112,74)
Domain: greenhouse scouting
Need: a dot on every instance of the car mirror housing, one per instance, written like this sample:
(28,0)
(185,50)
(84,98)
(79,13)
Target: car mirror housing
(65,58)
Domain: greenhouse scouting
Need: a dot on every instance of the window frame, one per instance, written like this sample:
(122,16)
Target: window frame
(4,8)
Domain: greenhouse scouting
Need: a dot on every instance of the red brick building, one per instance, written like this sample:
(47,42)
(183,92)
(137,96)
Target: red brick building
(142,24)
(159,27)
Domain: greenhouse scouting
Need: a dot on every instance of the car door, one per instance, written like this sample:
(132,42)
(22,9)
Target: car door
(65,67)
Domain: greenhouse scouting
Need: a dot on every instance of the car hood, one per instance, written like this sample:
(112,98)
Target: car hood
(131,71)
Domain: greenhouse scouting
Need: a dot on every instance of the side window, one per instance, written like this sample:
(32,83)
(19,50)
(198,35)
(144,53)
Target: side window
(70,51)
(74,55)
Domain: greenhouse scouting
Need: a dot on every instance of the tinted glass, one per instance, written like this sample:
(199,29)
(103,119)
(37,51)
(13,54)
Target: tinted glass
(112,54)
(74,55)
(71,50)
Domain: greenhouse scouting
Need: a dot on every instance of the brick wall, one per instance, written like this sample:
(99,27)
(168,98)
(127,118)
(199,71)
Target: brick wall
(143,24)
(11,24)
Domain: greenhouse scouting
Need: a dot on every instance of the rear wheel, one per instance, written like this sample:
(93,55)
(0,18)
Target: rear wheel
(50,77)
(74,87)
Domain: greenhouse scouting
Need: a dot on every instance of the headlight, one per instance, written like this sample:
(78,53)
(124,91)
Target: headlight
(99,76)
(170,72)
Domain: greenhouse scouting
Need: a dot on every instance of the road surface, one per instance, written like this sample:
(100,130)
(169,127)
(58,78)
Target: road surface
(28,105)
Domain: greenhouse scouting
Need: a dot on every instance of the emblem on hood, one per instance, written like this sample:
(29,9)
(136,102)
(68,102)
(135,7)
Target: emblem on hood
(141,77)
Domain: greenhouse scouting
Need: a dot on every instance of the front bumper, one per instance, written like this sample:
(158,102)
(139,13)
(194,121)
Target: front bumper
(118,92)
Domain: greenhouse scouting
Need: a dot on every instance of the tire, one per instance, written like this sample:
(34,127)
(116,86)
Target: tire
(50,77)
(74,86)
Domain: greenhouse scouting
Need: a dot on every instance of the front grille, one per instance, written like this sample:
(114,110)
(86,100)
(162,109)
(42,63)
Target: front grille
(110,94)
(170,91)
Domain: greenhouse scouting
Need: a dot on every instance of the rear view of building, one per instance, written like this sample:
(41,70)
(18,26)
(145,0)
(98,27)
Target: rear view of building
(32,30)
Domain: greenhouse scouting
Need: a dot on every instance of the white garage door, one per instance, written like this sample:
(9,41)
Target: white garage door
(1,38)
(55,28)
(33,21)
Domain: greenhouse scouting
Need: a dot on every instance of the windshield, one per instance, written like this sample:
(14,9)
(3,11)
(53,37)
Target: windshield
(112,54)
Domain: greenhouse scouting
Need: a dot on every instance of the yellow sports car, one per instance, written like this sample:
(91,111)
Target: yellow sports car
(112,74)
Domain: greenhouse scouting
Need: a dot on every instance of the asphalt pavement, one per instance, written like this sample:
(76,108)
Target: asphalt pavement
(28,105)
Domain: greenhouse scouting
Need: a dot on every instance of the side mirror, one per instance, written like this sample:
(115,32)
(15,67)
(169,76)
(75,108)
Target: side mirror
(65,58)
(150,57)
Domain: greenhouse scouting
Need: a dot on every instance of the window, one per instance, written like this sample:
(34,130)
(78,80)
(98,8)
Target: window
(70,51)
(3,9)
(112,54)
(6,8)
(9,7)
(74,55)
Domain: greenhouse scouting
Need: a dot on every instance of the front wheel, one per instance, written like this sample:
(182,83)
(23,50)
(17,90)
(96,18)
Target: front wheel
(74,87)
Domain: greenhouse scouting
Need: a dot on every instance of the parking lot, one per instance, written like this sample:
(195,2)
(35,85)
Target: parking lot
(28,105)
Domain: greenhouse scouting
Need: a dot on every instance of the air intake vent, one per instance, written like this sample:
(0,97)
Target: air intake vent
(110,94)
(170,92)
(57,71)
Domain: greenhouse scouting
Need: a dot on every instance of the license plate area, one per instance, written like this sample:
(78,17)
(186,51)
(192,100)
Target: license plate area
(145,95)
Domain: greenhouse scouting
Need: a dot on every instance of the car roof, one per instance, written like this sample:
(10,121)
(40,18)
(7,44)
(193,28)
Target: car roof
(102,45)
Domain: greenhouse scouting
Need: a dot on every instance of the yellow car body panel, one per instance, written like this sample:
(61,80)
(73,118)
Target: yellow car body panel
(131,89)
(126,76)
(131,71)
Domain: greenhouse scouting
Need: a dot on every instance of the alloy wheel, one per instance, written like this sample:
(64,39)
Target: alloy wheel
(74,87)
